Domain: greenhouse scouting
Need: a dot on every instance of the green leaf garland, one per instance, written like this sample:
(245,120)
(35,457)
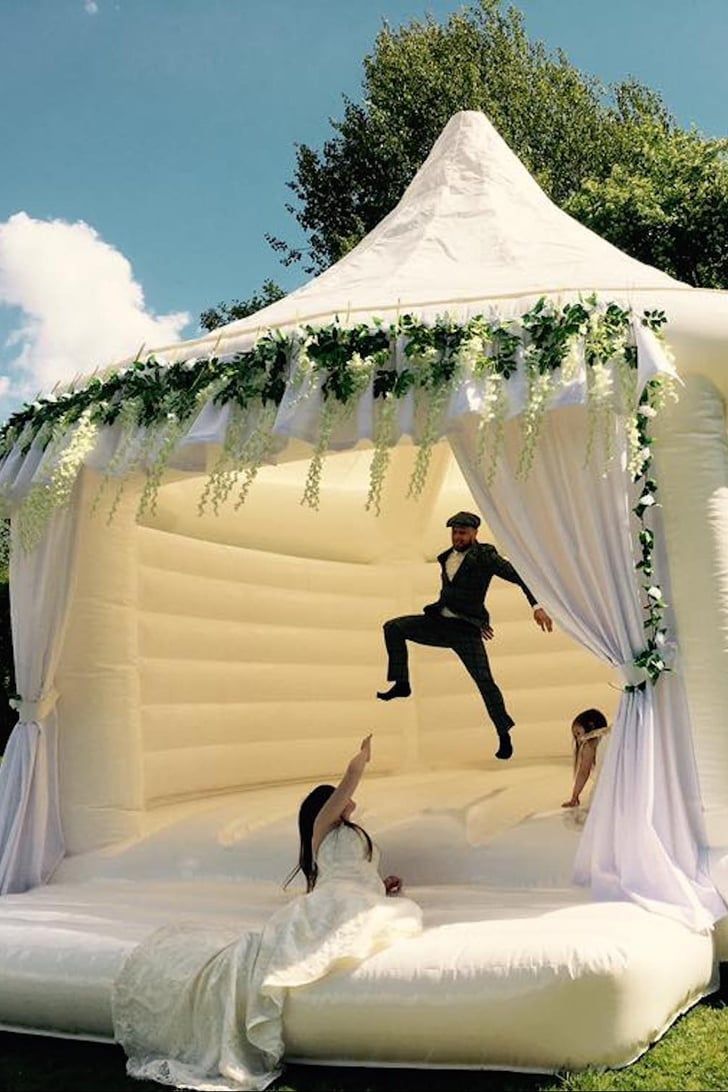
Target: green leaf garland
(555,345)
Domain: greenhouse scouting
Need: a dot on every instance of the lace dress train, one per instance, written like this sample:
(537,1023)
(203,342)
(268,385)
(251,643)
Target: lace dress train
(201,1007)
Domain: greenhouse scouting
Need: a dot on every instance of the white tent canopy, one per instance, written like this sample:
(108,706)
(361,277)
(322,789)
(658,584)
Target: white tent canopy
(185,656)
(474,231)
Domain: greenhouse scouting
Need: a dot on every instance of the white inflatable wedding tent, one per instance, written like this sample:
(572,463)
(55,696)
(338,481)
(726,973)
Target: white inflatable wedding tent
(191,666)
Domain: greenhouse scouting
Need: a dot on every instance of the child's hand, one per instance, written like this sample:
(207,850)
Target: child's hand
(392,885)
(573,803)
(366,747)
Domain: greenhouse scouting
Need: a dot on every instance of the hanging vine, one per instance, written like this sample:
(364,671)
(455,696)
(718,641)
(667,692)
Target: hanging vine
(155,405)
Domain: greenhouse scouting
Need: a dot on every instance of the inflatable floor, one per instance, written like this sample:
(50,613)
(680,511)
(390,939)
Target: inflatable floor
(516,968)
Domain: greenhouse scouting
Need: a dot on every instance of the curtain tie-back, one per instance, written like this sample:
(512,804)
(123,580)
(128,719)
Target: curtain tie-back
(36,710)
(631,675)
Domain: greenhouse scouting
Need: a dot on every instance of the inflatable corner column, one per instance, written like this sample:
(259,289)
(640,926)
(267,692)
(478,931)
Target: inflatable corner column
(692,467)
(100,753)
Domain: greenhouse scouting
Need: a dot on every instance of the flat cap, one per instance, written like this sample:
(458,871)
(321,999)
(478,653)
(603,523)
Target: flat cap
(464,519)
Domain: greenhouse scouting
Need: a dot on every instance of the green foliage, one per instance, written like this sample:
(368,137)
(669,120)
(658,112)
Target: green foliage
(157,391)
(268,293)
(566,126)
(347,360)
(552,337)
(666,205)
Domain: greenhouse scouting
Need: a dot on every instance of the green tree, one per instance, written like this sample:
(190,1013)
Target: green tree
(566,126)
(668,208)
(612,156)
(213,317)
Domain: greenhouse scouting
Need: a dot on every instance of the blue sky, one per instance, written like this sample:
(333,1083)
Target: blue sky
(168,127)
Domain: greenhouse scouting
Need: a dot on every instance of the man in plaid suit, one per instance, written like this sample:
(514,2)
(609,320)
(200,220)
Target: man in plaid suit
(460,621)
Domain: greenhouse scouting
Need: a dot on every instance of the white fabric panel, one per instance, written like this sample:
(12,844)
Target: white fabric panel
(41,586)
(569,533)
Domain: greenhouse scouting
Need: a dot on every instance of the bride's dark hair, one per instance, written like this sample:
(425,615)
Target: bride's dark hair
(589,720)
(307,813)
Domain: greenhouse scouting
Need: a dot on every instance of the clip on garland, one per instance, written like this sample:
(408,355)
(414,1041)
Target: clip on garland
(154,405)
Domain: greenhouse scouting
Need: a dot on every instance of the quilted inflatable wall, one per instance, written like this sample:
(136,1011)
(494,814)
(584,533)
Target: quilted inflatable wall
(209,653)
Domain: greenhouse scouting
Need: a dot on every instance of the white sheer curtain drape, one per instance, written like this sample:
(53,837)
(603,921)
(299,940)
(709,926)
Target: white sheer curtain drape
(567,529)
(41,583)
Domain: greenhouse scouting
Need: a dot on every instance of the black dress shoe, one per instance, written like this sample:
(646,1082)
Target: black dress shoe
(399,690)
(505,748)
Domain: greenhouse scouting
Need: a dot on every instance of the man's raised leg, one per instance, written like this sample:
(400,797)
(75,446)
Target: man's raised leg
(397,631)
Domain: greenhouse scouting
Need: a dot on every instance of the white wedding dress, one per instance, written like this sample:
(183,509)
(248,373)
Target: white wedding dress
(200,1007)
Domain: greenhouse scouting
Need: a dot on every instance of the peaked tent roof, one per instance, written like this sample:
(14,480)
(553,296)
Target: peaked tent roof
(474,230)
(473,225)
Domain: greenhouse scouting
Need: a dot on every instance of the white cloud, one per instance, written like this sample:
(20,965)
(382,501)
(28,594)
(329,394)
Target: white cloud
(91,7)
(81,307)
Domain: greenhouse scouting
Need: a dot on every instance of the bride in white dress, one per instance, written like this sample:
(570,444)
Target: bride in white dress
(201,1007)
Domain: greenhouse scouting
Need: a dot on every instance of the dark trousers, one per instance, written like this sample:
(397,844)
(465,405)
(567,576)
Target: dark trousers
(465,641)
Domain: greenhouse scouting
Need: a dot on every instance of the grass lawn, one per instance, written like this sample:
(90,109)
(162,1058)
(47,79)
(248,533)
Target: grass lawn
(692,1056)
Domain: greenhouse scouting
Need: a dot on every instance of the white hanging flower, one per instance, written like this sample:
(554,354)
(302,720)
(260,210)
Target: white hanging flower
(330,411)
(69,448)
(425,358)
(358,363)
(247,445)
(128,424)
(162,443)
(572,366)
(491,427)
(540,387)
(470,353)
(386,415)
(333,414)
(436,405)
(303,365)
(638,457)
(601,388)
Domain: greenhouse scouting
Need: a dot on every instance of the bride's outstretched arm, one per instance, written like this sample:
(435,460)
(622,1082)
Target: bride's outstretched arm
(330,813)
(587,758)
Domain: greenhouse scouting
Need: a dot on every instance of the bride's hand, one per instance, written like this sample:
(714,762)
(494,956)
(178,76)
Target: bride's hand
(366,747)
(392,885)
(573,803)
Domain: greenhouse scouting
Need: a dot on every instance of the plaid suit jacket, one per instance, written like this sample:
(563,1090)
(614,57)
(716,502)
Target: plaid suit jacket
(464,595)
